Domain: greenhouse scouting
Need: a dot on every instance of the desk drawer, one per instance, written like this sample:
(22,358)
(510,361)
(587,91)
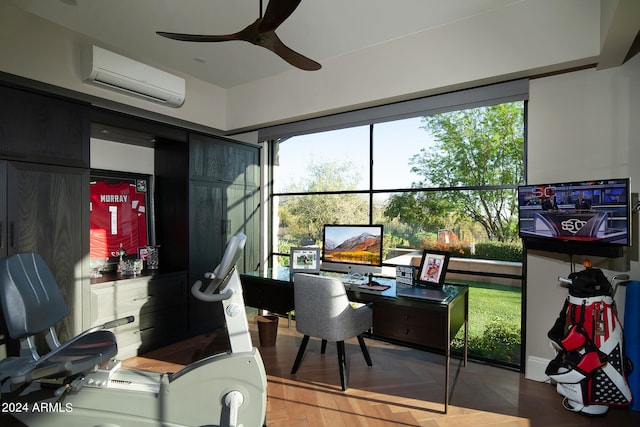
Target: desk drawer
(426,328)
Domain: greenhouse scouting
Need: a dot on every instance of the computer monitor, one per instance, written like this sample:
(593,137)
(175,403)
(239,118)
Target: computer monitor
(352,248)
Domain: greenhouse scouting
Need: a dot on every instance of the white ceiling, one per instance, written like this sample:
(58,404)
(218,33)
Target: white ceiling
(318,29)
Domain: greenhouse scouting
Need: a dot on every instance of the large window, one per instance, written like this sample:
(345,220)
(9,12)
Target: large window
(445,180)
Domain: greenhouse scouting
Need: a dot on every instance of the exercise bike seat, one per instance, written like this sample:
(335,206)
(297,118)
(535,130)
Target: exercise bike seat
(33,304)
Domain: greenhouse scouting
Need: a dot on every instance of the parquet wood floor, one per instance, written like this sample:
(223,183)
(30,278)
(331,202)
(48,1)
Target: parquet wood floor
(405,387)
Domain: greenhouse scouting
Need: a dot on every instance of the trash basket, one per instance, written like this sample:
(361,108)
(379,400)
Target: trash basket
(267,330)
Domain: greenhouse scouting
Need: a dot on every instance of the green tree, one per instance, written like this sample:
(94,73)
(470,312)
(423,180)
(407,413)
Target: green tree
(303,216)
(420,211)
(479,147)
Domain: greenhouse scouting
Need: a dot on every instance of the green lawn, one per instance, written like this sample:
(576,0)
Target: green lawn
(494,322)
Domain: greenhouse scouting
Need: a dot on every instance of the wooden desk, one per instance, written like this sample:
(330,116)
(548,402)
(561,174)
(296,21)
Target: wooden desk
(419,323)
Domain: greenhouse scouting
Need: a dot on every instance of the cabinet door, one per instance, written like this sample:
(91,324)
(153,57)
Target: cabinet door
(3,210)
(207,237)
(222,160)
(223,200)
(243,215)
(43,129)
(208,226)
(47,213)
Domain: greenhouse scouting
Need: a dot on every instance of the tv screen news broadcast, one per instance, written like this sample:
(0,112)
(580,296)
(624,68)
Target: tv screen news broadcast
(585,212)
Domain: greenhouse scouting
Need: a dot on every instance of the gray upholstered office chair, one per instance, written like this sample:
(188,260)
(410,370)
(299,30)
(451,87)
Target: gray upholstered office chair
(324,311)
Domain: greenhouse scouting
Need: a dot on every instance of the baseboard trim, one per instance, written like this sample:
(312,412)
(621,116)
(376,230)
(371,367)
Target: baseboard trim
(535,369)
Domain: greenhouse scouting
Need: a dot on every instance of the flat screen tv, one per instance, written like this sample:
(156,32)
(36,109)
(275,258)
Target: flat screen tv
(576,217)
(352,248)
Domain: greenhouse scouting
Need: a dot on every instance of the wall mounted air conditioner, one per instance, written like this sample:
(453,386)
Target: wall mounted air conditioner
(99,66)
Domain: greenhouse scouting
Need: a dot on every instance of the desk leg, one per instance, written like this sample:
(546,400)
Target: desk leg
(466,342)
(446,382)
(466,328)
(447,360)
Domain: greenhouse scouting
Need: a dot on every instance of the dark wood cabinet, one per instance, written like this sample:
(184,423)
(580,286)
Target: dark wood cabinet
(206,191)
(43,129)
(223,200)
(44,188)
(43,211)
(223,161)
(224,192)
(171,203)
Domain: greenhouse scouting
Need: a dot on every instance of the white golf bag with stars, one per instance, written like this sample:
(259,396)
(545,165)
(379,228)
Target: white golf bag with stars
(590,368)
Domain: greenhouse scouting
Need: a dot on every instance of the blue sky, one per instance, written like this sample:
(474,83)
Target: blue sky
(394,143)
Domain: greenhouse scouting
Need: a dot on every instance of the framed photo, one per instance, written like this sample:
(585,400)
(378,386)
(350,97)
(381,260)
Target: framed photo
(120,213)
(433,267)
(304,260)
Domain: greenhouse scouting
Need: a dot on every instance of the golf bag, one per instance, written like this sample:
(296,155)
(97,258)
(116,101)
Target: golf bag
(590,368)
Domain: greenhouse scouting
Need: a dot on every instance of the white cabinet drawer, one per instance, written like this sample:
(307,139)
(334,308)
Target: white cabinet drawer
(157,304)
(119,299)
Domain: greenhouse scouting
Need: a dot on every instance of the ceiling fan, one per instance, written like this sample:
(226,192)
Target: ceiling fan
(260,33)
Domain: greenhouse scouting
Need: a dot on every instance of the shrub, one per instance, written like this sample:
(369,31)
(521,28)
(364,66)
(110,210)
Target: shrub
(500,251)
(447,240)
(456,247)
(499,341)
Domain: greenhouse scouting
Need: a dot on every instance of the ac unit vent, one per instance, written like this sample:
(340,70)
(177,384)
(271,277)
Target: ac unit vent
(118,72)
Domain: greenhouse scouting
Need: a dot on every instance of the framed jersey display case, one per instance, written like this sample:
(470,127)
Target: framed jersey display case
(120,214)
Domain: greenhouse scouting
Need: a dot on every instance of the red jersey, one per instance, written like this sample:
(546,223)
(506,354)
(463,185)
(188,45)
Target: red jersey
(118,216)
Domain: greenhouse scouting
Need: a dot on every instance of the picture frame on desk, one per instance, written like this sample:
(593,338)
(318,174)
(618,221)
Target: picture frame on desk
(304,260)
(433,267)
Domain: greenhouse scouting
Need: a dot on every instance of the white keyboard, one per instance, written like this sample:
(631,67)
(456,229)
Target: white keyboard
(352,281)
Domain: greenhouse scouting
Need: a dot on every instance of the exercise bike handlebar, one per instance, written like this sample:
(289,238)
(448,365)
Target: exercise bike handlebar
(118,322)
(202,296)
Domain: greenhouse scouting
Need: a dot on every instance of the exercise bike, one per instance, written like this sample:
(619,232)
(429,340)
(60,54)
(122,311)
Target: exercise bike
(79,383)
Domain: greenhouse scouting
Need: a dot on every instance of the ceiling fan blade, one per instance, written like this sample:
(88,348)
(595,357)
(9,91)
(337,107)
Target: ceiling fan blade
(247,34)
(199,38)
(277,12)
(290,55)
(261,33)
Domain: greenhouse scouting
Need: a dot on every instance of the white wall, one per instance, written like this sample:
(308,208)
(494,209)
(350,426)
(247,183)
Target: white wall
(486,48)
(34,48)
(582,125)
(115,156)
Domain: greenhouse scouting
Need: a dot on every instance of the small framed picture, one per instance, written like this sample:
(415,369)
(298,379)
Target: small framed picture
(433,267)
(304,259)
